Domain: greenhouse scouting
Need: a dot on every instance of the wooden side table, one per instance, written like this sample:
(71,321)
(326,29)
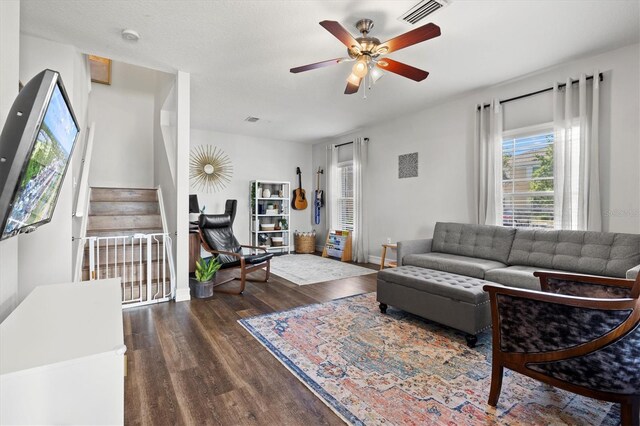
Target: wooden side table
(194,250)
(384,254)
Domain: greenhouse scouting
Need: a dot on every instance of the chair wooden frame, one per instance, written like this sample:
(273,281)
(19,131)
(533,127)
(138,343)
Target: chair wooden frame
(517,361)
(244,267)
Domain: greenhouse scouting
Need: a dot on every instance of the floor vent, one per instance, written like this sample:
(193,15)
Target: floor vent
(422,10)
(251,119)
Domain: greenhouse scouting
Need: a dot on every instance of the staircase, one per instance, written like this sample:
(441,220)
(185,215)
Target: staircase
(124,238)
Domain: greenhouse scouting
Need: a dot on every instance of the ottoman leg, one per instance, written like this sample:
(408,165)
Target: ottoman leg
(383,308)
(472,339)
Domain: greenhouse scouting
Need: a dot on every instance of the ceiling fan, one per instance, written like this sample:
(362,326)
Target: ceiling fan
(367,52)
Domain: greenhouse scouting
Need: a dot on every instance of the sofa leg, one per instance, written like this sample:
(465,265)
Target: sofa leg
(472,339)
(383,308)
(630,413)
(496,383)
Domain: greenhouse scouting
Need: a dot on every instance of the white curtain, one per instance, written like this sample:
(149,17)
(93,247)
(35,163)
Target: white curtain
(360,240)
(489,150)
(576,166)
(332,186)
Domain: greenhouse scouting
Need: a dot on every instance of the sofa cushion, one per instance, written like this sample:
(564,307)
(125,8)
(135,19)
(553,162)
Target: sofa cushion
(481,241)
(517,276)
(451,286)
(463,265)
(596,253)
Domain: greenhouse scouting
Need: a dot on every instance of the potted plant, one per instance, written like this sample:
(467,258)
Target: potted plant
(205,273)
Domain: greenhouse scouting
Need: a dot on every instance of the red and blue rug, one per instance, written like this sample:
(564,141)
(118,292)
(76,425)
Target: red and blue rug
(397,369)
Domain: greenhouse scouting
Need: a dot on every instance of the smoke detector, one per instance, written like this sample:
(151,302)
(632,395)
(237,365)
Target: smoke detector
(130,35)
(251,119)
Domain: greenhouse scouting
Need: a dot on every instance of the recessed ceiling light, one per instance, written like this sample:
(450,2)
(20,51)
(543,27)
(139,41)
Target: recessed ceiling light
(130,35)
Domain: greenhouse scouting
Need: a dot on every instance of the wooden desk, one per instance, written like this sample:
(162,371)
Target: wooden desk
(194,250)
(384,254)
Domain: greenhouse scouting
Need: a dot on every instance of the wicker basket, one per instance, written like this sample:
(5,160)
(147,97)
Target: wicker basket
(305,243)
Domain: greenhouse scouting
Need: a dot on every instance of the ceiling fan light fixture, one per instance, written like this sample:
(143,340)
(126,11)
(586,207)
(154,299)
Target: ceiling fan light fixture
(366,51)
(360,68)
(354,79)
(382,50)
(376,74)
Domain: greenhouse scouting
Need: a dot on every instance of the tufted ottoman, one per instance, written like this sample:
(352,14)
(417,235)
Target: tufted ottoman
(454,300)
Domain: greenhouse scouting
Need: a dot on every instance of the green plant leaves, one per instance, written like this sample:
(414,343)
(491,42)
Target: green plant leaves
(205,270)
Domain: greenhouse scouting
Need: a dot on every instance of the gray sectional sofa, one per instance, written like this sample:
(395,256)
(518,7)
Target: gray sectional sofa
(441,278)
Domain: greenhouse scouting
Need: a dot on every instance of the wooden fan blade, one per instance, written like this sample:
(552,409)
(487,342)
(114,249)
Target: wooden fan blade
(352,88)
(410,38)
(340,33)
(404,70)
(316,65)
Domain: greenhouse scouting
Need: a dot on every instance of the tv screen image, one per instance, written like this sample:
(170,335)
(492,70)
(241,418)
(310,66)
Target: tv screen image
(41,129)
(38,189)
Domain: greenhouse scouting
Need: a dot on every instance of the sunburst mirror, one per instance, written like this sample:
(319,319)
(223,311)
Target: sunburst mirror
(210,169)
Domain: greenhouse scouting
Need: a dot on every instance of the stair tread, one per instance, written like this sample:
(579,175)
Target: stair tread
(123,208)
(143,217)
(126,229)
(123,194)
(124,214)
(122,232)
(137,263)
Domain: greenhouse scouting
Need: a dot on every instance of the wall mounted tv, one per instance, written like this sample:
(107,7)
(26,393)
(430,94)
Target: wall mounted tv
(36,144)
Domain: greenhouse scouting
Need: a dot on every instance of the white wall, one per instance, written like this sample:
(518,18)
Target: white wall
(123,142)
(45,256)
(164,150)
(9,75)
(256,158)
(443,136)
(82,87)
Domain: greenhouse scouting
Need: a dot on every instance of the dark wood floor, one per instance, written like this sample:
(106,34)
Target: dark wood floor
(192,363)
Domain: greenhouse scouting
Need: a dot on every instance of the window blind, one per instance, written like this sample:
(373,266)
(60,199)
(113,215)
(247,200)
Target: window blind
(527,181)
(345,197)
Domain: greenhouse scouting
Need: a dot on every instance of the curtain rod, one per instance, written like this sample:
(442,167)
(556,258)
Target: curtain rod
(538,92)
(349,143)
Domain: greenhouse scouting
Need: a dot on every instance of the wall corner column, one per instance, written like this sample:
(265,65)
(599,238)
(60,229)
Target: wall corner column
(183,123)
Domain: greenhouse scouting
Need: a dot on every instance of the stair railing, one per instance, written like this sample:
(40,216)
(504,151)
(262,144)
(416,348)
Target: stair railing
(140,260)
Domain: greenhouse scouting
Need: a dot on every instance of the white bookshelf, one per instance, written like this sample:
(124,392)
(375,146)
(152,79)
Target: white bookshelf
(270,210)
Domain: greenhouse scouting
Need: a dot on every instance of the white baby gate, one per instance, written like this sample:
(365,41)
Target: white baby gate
(144,262)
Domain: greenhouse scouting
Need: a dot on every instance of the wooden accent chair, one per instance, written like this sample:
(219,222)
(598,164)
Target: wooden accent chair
(216,236)
(580,333)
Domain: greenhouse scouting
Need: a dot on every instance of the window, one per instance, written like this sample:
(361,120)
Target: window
(345,196)
(527,178)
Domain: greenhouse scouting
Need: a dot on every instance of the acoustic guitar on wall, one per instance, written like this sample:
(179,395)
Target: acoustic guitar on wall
(299,201)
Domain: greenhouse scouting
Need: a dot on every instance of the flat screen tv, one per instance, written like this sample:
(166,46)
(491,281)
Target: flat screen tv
(36,144)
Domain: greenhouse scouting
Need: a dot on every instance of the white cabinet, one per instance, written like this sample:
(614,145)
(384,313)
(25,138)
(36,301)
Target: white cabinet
(62,356)
(270,208)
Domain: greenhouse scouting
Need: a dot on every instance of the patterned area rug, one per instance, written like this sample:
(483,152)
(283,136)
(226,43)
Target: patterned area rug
(398,369)
(304,269)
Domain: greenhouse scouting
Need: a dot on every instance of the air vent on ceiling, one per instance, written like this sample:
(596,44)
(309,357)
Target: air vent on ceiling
(422,10)
(251,119)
